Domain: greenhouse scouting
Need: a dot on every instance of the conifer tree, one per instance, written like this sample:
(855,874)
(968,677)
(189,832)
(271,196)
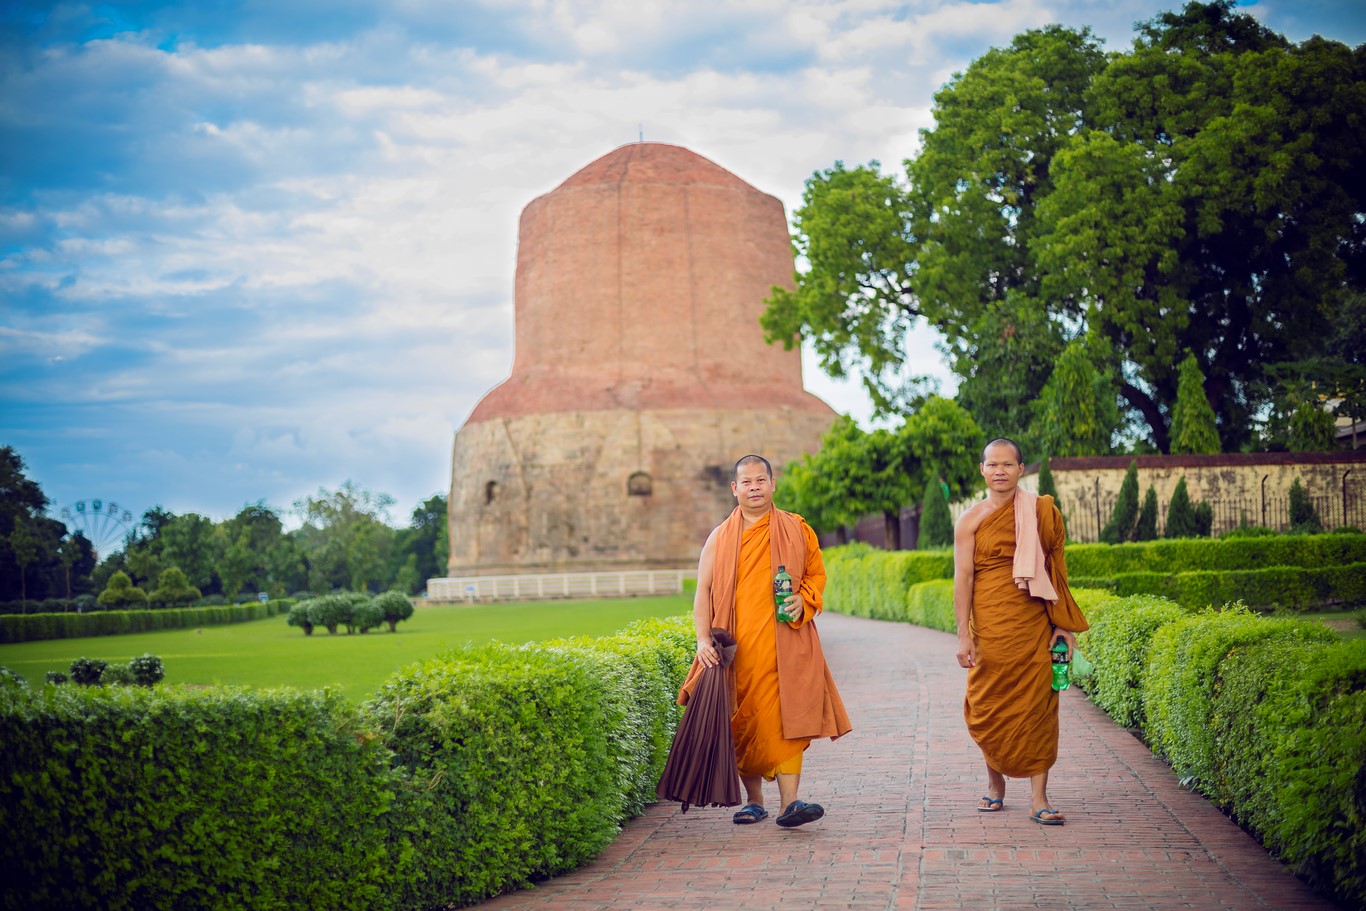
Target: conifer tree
(1193,428)
(1146,529)
(1125,516)
(1046,485)
(1304,519)
(1312,427)
(936,523)
(1204,519)
(1181,521)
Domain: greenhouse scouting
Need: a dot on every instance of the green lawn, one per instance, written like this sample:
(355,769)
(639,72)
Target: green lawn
(269,653)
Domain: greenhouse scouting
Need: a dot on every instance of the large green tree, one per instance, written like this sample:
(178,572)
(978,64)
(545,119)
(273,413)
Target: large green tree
(1193,423)
(1077,412)
(421,551)
(344,538)
(191,541)
(858,473)
(1198,192)
(30,542)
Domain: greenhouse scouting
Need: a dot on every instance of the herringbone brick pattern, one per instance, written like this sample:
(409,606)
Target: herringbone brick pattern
(901,832)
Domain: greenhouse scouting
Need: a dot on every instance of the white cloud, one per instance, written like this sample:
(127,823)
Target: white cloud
(277,264)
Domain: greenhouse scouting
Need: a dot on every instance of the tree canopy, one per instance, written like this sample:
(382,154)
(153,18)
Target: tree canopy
(1200,191)
(858,473)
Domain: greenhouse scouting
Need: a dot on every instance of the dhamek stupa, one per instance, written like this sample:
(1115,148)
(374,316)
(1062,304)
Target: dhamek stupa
(640,374)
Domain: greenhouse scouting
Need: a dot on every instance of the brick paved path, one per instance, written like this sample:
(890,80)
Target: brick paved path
(901,832)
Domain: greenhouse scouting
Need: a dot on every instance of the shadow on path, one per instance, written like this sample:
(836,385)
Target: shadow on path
(902,832)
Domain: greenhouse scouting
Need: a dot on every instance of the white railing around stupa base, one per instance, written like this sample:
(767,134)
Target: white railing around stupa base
(470,589)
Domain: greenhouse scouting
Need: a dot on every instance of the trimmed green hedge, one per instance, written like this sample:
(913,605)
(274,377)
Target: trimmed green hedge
(1272,587)
(133,798)
(1183,670)
(1292,754)
(33,627)
(1296,572)
(1219,554)
(1117,644)
(1265,716)
(868,582)
(476,772)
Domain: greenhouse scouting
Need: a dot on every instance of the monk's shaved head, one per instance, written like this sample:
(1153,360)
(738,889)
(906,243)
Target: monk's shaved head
(752,460)
(1002,441)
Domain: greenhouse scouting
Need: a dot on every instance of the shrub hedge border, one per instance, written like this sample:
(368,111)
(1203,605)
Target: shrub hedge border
(1265,716)
(35,627)
(1295,572)
(474,772)
(1297,588)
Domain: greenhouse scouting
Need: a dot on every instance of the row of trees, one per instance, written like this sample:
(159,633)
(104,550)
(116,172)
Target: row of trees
(858,473)
(344,542)
(1086,228)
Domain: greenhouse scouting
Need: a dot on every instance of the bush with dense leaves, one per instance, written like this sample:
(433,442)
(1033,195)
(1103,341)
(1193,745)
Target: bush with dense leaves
(87,671)
(1288,720)
(147,670)
(367,615)
(395,607)
(195,799)
(1117,645)
(467,775)
(121,594)
(173,589)
(331,611)
(867,582)
(300,615)
(1182,675)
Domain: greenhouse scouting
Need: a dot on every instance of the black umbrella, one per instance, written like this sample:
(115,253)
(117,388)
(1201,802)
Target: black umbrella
(700,770)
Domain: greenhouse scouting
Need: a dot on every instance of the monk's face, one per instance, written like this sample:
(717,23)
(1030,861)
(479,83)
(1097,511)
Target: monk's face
(753,488)
(1001,469)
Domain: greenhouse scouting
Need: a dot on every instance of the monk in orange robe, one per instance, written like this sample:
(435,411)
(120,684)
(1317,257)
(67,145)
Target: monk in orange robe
(1012,603)
(784,693)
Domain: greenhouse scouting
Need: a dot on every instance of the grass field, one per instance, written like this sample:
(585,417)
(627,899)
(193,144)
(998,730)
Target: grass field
(269,653)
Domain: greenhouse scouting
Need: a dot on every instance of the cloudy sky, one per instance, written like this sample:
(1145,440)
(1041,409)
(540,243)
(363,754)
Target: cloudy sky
(250,248)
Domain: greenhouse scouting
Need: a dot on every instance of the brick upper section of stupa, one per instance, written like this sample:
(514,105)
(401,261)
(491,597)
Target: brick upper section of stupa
(640,282)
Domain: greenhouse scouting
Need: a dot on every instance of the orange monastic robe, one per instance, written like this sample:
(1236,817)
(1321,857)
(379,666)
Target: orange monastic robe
(772,657)
(1011,707)
(758,723)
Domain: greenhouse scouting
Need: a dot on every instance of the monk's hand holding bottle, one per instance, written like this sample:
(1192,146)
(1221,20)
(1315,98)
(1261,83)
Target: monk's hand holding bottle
(791,608)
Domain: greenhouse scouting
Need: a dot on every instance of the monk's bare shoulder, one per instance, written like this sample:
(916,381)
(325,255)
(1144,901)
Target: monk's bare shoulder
(969,521)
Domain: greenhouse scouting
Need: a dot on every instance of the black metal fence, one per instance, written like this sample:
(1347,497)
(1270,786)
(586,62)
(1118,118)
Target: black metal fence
(1086,516)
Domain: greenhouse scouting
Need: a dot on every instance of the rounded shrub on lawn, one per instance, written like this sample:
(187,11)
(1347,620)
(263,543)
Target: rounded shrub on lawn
(393,607)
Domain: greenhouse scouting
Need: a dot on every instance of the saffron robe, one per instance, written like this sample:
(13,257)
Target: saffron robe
(1011,708)
(785,695)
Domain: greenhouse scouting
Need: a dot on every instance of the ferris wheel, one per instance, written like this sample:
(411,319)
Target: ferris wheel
(104,523)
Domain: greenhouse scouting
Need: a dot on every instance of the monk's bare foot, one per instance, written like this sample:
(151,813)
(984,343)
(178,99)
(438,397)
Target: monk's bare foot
(1047,816)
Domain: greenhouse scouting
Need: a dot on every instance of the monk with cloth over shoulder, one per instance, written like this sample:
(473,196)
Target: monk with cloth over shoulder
(1012,603)
(785,696)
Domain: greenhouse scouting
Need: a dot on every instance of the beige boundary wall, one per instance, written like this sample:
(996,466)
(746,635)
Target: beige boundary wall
(1240,487)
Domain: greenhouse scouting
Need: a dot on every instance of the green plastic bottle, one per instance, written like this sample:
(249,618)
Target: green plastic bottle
(1061,665)
(782,590)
